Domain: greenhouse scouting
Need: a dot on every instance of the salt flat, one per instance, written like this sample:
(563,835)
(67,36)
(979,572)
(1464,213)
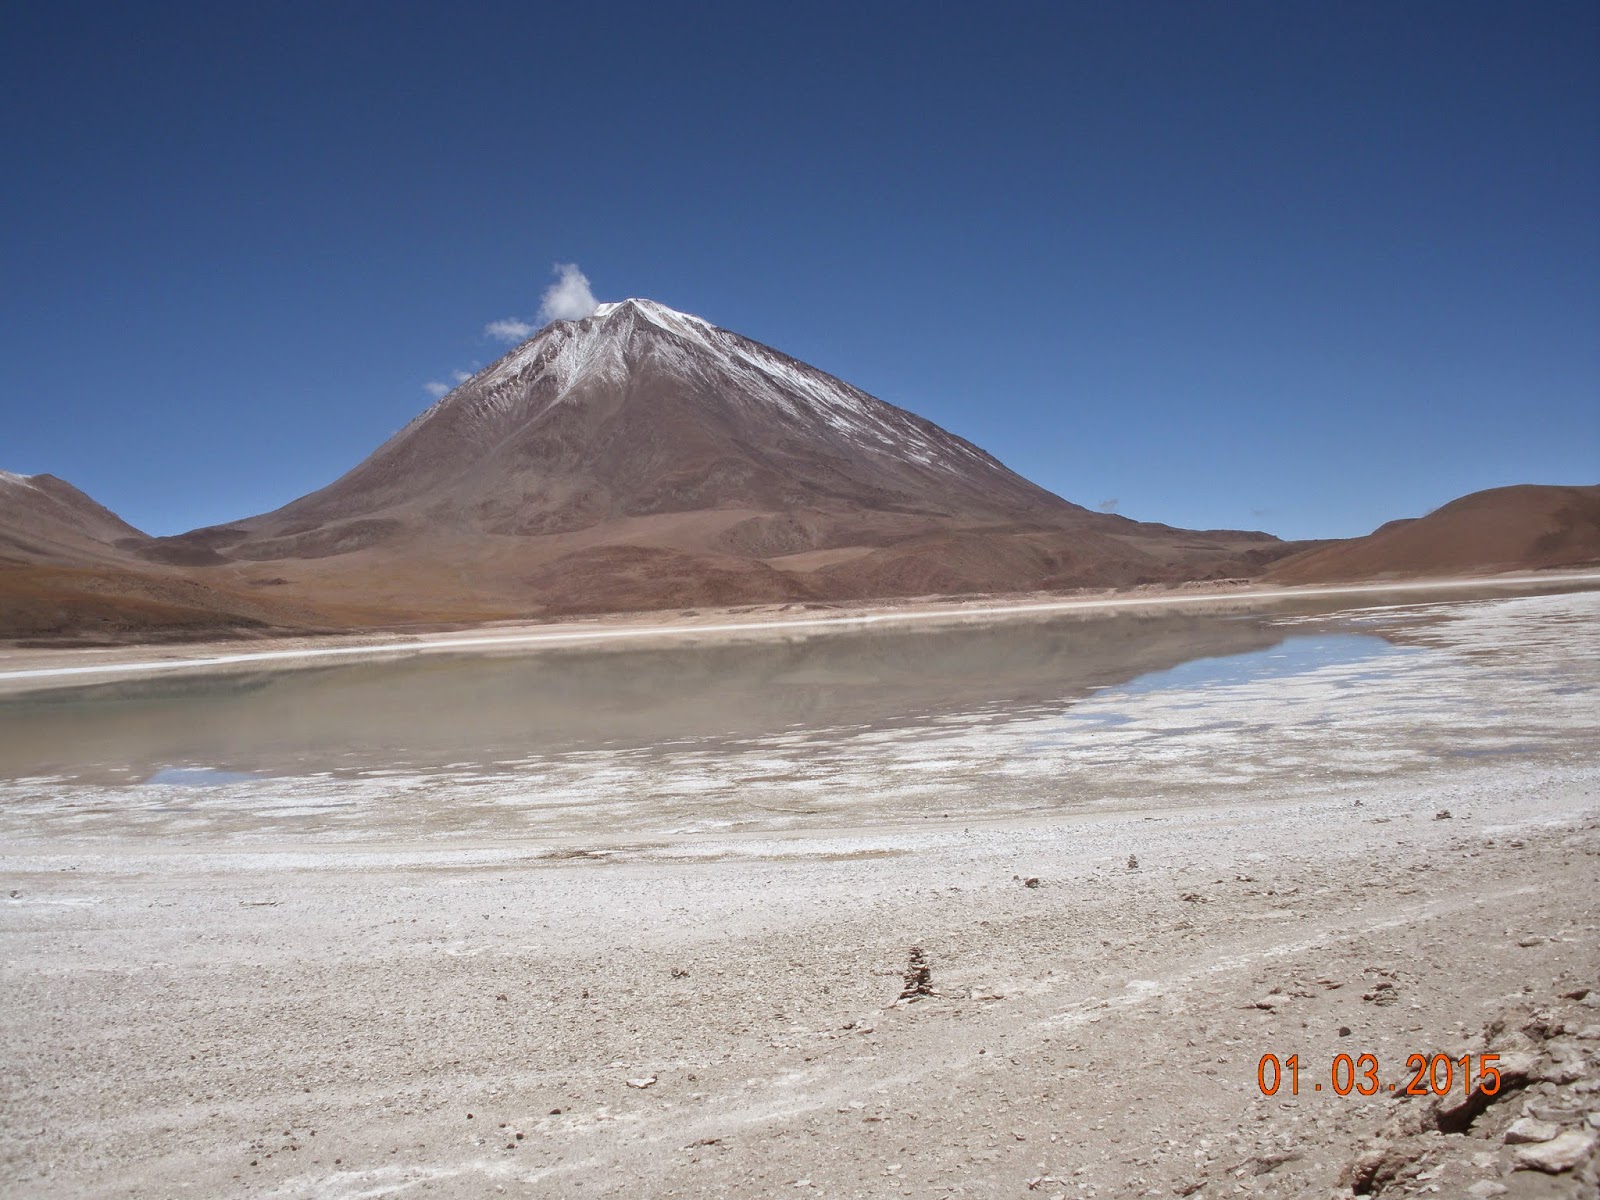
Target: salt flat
(303,985)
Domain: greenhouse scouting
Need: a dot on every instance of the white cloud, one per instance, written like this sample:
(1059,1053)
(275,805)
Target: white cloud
(510,330)
(569,297)
(436,389)
(1110,506)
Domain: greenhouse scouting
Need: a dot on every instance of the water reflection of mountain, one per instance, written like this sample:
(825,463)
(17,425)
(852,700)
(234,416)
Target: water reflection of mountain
(441,709)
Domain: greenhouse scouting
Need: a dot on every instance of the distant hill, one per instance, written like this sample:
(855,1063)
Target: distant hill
(69,568)
(46,520)
(1527,527)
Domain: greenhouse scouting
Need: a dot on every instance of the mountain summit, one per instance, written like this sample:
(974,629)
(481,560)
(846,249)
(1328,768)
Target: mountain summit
(643,457)
(639,410)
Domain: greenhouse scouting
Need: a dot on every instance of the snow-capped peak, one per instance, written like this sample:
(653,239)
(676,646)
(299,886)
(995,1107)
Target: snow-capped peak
(651,309)
(16,480)
(668,320)
(570,358)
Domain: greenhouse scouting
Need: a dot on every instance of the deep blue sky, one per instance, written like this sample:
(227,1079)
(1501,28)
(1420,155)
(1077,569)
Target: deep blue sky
(1301,267)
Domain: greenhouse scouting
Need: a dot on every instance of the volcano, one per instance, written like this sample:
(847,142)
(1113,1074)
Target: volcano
(644,458)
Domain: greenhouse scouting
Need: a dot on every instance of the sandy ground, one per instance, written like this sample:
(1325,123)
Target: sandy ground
(239,1011)
(24,668)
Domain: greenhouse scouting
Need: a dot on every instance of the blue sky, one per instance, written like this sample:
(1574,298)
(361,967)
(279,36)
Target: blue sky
(1300,267)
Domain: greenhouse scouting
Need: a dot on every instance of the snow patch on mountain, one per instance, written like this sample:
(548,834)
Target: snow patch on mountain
(570,359)
(654,311)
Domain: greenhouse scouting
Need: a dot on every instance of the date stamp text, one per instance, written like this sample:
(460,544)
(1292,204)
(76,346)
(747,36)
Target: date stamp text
(1363,1075)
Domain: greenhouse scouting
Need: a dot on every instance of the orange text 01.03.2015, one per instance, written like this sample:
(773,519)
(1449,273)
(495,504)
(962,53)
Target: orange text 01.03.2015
(1429,1076)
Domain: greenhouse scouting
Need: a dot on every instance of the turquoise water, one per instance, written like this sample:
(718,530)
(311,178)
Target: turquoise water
(1295,655)
(199,777)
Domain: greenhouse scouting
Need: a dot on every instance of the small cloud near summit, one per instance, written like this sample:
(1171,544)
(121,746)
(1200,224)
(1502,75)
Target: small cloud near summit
(1110,506)
(567,299)
(437,390)
(509,330)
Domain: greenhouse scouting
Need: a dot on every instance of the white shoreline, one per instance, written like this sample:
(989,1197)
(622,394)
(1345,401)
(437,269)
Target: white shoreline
(432,645)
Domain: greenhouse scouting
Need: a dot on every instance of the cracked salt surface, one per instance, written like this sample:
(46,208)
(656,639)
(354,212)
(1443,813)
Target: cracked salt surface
(1324,707)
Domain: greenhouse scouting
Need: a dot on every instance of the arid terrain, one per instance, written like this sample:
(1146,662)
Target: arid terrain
(1123,906)
(1502,529)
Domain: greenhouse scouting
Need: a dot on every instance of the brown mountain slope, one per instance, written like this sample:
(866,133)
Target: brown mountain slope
(643,458)
(46,520)
(68,568)
(1526,527)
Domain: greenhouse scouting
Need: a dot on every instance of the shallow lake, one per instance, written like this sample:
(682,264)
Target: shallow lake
(887,724)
